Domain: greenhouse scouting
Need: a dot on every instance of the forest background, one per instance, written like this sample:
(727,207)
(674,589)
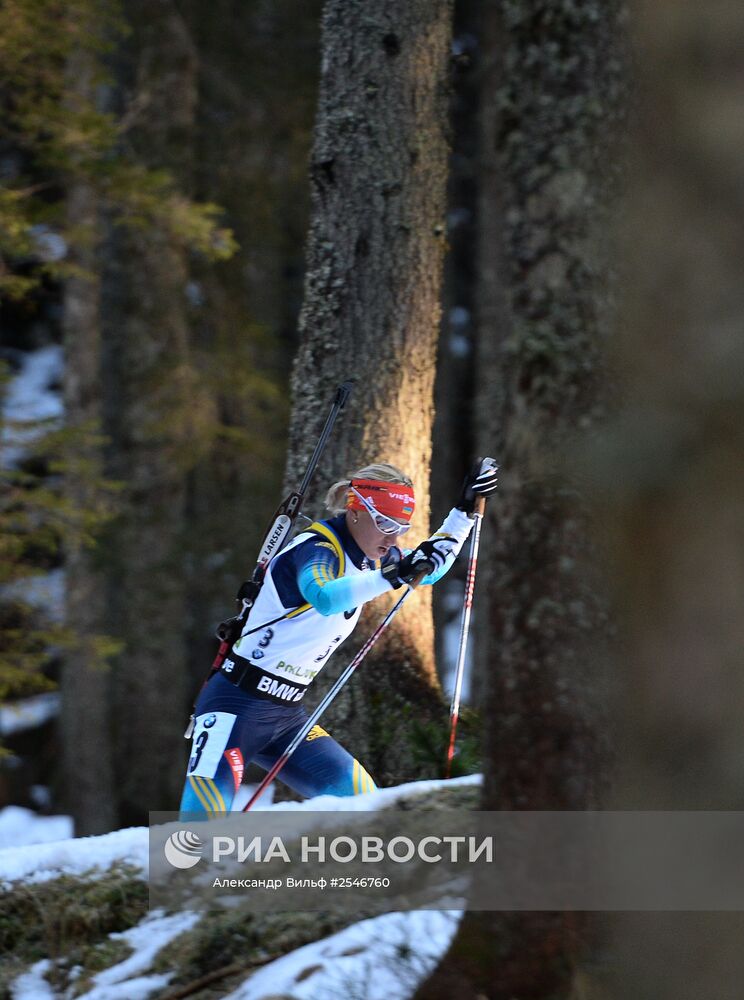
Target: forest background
(555,275)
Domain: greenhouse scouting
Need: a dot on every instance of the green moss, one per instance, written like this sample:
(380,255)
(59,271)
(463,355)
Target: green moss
(52,919)
(454,798)
(221,939)
(70,920)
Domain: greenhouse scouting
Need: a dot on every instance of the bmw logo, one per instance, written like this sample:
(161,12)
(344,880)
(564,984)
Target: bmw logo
(257,654)
(210,721)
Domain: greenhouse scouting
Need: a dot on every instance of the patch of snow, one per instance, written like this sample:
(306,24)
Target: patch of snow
(32,985)
(50,246)
(452,606)
(22,827)
(43,862)
(244,793)
(41,796)
(382,958)
(458,317)
(28,713)
(458,345)
(45,592)
(146,939)
(139,988)
(28,397)
(123,980)
(371,801)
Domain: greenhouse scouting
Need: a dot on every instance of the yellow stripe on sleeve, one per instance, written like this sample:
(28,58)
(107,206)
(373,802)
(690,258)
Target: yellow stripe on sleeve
(321,529)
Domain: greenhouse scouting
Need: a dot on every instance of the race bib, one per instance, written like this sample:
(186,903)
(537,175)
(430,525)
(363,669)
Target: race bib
(211,734)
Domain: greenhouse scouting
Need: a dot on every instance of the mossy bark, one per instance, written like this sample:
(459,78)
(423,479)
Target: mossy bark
(553,79)
(371,312)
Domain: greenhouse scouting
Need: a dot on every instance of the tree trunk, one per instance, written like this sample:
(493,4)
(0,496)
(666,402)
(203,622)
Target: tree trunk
(548,116)
(155,409)
(671,472)
(195,360)
(89,792)
(371,312)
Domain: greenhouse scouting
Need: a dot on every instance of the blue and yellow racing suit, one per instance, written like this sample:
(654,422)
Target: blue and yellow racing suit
(312,595)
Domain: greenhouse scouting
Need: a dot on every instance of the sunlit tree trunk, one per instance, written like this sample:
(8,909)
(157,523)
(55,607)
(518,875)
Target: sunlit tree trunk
(371,312)
(553,84)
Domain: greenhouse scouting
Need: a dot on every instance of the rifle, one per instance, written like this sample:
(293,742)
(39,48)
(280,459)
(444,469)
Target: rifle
(279,533)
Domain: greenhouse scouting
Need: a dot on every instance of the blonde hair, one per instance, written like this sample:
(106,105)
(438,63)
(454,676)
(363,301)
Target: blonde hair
(336,497)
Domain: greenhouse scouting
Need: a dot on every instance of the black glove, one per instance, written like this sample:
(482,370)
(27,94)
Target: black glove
(425,558)
(480,481)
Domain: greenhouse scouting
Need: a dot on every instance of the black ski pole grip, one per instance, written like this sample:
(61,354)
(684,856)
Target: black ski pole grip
(343,392)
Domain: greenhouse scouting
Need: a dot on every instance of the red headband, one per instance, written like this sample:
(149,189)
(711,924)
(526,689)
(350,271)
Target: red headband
(392,499)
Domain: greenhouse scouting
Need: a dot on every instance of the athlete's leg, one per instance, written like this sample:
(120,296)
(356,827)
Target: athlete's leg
(319,765)
(215,767)
(230,727)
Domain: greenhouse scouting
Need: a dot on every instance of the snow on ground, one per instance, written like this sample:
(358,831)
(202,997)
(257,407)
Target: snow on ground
(123,980)
(28,713)
(41,862)
(20,826)
(146,939)
(32,985)
(383,958)
(244,793)
(372,800)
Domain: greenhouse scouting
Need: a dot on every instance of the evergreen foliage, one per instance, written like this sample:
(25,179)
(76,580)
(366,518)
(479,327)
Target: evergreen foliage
(39,521)
(53,131)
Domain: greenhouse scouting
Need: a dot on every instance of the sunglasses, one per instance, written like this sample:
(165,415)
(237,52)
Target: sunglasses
(387,525)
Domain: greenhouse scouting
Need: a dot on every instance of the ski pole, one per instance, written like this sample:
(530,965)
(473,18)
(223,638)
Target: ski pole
(313,719)
(479,508)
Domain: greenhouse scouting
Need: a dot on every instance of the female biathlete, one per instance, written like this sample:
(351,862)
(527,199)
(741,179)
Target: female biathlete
(312,595)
